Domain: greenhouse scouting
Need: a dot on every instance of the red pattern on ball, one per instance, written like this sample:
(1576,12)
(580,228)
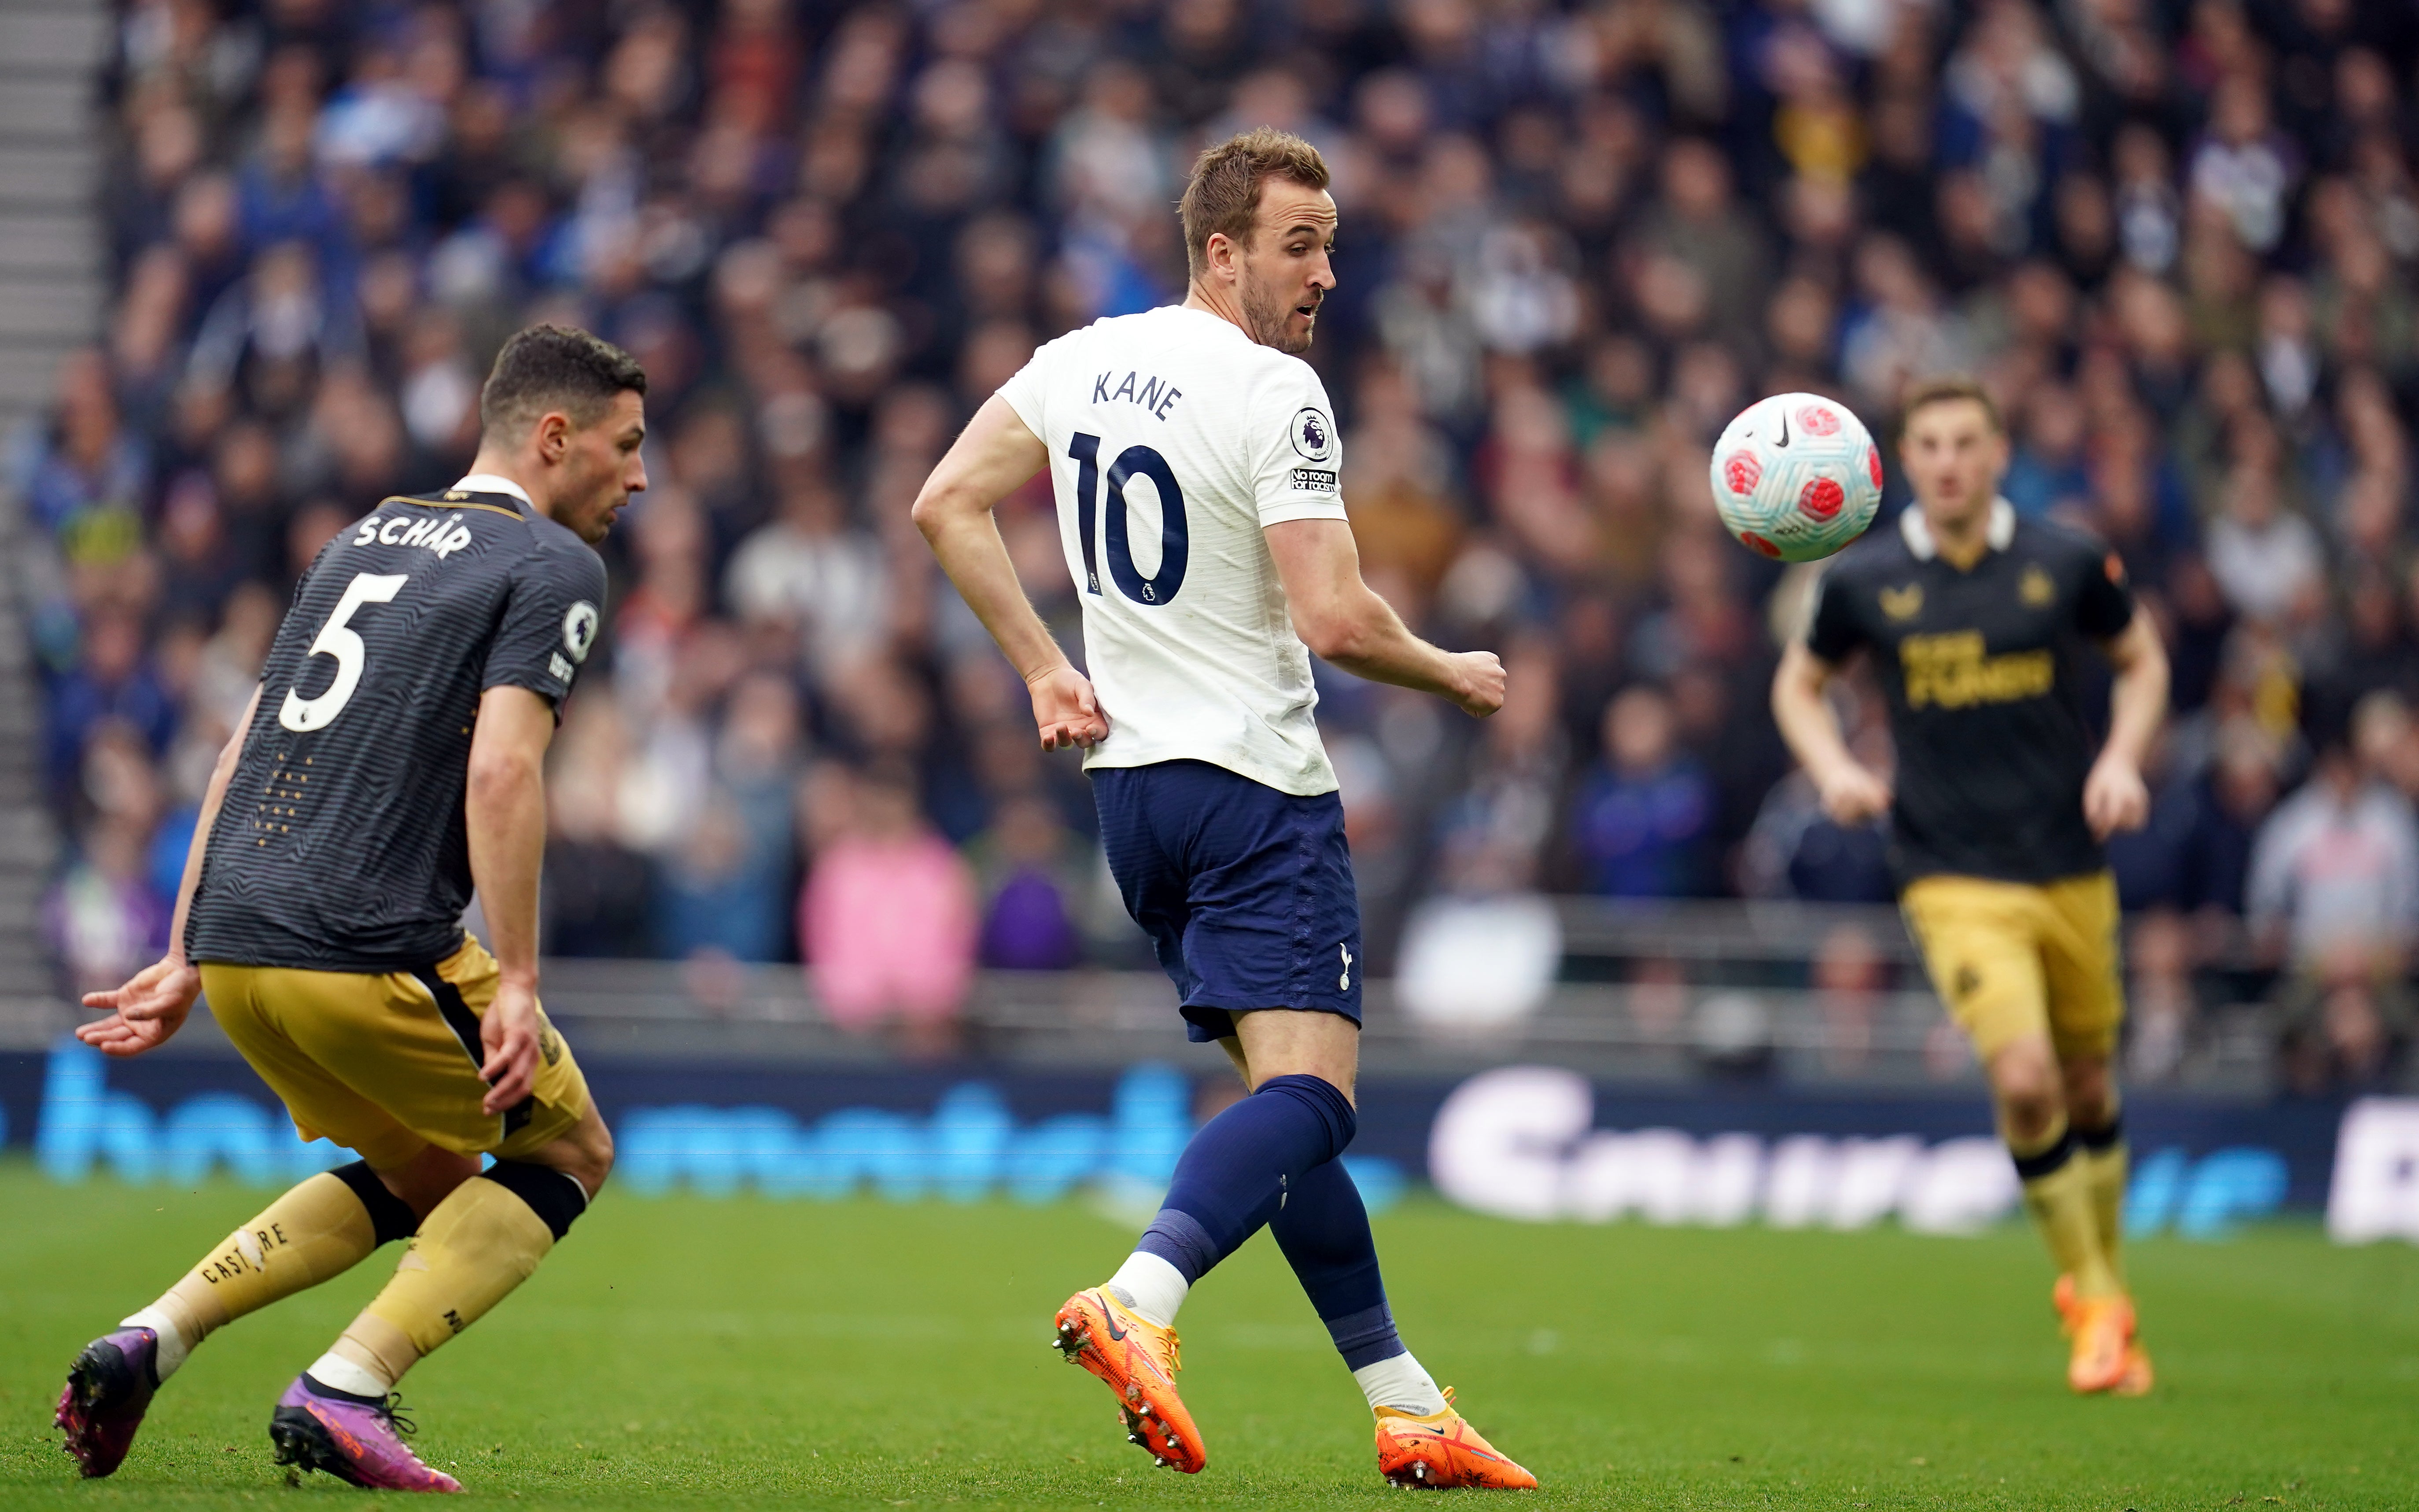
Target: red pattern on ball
(1821,498)
(1741,471)
(1873,464)
(1759,543)
(1816,421)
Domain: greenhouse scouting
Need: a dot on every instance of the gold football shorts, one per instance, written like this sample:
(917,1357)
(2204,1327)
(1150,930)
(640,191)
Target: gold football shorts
(2012,959)
(385,1064)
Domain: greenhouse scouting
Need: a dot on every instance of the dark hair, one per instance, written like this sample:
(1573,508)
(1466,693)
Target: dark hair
(1950,390)
(555,367)
(1224,194)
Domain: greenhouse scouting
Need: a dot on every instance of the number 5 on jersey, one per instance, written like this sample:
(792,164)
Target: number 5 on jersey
(306,714)
(1174,541)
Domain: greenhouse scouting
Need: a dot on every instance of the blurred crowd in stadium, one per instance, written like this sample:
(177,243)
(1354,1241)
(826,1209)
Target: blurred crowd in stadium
(2177,239)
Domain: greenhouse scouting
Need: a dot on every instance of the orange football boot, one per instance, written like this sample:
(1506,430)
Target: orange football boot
(2103,1331)
(1138,1360)
(2138,1377)
(1441,1451)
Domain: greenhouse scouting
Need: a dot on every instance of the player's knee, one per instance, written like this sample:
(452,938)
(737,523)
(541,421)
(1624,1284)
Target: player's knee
(586,1153)
(2027,1090)
(2028,1117)
(2090,1099)
(600,1156)
(428,1178)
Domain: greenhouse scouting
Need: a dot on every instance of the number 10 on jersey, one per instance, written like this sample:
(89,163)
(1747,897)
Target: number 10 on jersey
(1173,541)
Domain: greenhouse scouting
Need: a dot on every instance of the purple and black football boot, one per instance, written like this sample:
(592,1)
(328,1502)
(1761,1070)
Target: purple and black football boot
(109,1389)
(356,1439)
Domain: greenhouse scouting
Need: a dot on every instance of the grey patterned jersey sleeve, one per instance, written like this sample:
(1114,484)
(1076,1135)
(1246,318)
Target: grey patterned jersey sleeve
(553,609)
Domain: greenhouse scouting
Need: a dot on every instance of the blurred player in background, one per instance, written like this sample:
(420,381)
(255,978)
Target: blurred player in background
(390,763)
(1976,621)
(1194,459)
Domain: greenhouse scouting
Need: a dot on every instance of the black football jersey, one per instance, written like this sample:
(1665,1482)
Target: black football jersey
(1980,669)
(340,846)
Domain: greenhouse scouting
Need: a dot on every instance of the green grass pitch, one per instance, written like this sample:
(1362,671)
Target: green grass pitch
(742,1352)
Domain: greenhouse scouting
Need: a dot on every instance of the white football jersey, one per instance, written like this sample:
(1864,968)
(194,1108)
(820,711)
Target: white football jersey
(1174,438)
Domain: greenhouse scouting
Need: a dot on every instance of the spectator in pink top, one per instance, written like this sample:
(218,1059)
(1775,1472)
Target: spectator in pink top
(887,918)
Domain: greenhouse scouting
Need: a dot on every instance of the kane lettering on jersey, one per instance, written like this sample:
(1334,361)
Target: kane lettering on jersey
(1982,672)
(1174,441)
(340,846)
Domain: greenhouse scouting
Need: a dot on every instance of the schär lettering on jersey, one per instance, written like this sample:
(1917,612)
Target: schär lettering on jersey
(441,534)
(1174,441)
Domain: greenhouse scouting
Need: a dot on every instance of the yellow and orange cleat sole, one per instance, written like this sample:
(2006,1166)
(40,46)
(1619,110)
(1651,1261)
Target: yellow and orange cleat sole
(1442,1451)
(1138,1361)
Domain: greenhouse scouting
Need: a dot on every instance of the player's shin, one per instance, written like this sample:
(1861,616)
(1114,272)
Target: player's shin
(318,1230)
(472,1249)
(2102,1155)
(1232,1178)
(2058,1194)
(1324,1230)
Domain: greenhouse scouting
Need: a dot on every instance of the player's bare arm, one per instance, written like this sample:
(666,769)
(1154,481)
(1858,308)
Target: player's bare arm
(1852,792)
(504,810)
(154,1003)
(1346,624)
(996,455)
(2114,794)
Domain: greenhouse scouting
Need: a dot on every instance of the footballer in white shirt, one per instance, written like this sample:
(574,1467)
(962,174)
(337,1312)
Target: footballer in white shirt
(1195,463)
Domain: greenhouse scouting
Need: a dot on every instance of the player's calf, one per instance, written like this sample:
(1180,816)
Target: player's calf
(472,1249)
(321,1229)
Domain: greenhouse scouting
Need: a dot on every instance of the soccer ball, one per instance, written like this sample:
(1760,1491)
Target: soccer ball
(1796,477)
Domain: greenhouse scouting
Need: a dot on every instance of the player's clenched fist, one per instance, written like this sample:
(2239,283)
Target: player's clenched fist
(1066,711)
(2115,797)
(1478,682)
(1852,795)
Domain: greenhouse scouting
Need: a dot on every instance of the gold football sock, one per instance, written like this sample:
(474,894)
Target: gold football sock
(2103,1152)
(2058,1193)
(484,1239)
(321,1229)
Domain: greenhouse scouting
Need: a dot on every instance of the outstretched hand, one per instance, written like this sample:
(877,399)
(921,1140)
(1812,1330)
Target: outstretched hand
(151,1007)
(1066,711)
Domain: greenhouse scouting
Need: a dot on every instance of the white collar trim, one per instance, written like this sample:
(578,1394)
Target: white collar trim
(1918,535)
(488,482)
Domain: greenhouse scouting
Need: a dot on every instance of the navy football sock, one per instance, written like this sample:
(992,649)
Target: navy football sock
(1234,1175)
(1324,1232)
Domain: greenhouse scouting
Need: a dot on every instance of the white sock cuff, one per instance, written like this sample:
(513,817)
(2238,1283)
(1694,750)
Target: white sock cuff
(333,1370)
(173,1345)
(1157,1288)
(1400,1382)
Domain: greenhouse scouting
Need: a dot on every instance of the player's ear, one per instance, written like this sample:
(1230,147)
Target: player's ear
(552,435)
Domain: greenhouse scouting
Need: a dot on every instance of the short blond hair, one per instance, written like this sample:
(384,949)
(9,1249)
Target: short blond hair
(1224,194)
(1947,391)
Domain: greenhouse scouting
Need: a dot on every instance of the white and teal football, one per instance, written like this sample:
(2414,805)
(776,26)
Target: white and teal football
(1796,477)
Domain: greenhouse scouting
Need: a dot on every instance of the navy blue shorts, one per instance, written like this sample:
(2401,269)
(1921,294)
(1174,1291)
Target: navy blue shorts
(1245,892)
